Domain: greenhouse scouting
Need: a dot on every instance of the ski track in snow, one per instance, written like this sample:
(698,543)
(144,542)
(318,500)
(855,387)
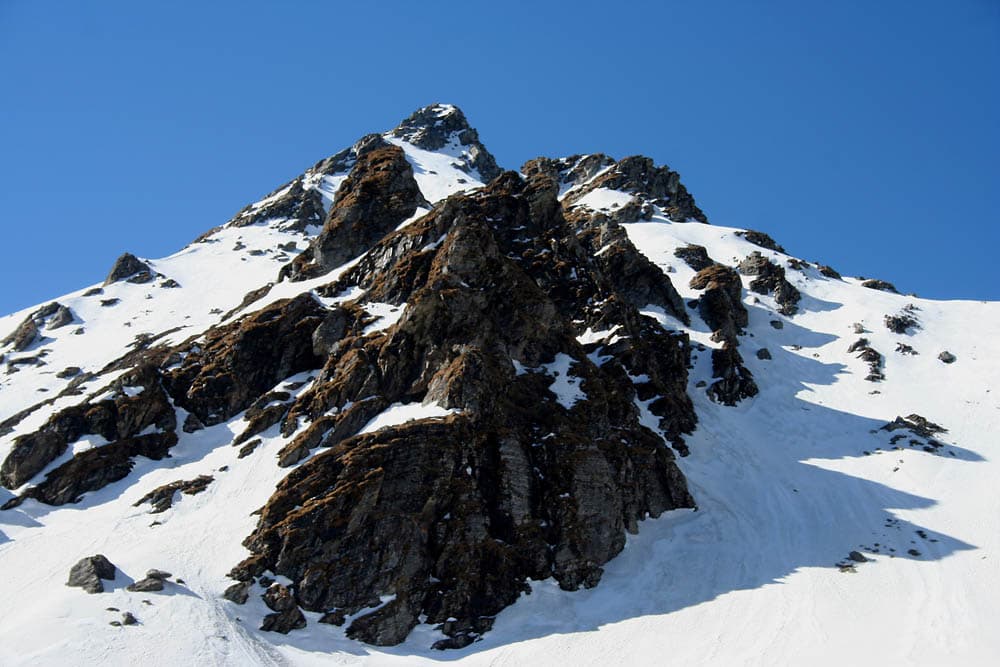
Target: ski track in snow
(784,487)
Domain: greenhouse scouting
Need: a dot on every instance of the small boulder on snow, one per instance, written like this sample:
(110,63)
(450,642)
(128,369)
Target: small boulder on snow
(127,266)
(88,573)
(947,357)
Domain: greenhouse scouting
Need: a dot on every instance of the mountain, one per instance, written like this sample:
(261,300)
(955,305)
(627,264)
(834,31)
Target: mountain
(410,406)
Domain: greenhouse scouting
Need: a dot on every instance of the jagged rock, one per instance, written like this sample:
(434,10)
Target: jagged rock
(126,266)
(829,272)
(947,357)
(147,585)
(880,285)
(238,362)
(903,348)
(771,278)
(373,200)
(88,573)
(915,424)
(22,337)
(694,256)
(95,468)
(117,419)
(61,317)
(871,356)
(761,239)
(293,206)
(288,617)
(901,322)
(735,382)
(162,497)
(432,127)
(721,306)
(128,618)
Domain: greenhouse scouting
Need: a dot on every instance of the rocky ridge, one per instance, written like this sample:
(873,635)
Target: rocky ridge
(520,318)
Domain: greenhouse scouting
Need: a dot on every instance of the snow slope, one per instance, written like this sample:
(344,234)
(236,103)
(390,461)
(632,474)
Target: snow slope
(788,483)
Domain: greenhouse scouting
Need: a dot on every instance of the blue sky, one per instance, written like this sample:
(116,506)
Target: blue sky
(860,134)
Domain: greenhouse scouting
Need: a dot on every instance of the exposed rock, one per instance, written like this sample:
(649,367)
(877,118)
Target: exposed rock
(61,318)
(915,424)
(777,324)
(292,207)
(373,200)
(162,497)
(22,337)
(903,348)
(721,306)
(947,357)
(158,574)
(880,285)
(829,272)
(128,618)
(68,372)
(88,573)
(761,239)
(147,585)
(857,557)
(771,278)
(247,449)
(238,592)
(126,266)
(107,303)
(901,322)
(288,617)
(433,127)
(694,256)
(735,382)
(873,358)
(763,353)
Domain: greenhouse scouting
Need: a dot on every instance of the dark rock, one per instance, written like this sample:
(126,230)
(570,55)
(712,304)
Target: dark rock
(288,616)
(879,285)
(126,266)
(192,423)
(829,272)
(432,127)
(162,497)
(60,318)
(901,322)
(761,239)
(336,617)
(694,256)
(238,592)
(947,357)
(68,372)
(88,573)
(735,382)
(763,353)
(128,618)
(94,291)
(247,449)
(22,337)
(169,283)
(147,585)
(903,348)
(857,557)
(376,197)
(771,278)
(158,574)
(777,324)
(721,305)
(107,303)
(915,424)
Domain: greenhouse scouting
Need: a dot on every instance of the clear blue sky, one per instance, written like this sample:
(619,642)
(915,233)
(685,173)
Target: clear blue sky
(862,134)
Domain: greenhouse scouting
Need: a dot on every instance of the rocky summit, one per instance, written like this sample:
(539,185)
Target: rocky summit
(400,395)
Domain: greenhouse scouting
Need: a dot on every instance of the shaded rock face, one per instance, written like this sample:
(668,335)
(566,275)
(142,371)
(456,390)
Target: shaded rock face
(771,278)
(128,266)
(871,356)
(721,305)
(761,239)
(694,256)
(88,573)
(379,193)
(435,127)
(294,205)
(881,285)
(453,516)
(735,382)
(51,316)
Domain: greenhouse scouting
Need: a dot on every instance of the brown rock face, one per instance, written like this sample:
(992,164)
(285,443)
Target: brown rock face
(721,306)
(379,193)
(771,278)
(451,517)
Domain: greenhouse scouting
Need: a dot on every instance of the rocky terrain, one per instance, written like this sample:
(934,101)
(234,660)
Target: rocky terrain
(396,394)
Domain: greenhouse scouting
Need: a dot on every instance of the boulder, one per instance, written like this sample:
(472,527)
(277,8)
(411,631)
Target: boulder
(126,266)
(88,573)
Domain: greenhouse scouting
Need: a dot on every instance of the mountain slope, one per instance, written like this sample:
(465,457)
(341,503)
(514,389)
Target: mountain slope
(459,393)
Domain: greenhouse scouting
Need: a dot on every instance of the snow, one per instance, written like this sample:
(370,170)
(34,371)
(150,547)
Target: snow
(437,172)
(400,413)
(783,483)
(386,313)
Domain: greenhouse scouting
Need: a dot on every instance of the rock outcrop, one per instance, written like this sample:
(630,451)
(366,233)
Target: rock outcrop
(89,572)
(770,278)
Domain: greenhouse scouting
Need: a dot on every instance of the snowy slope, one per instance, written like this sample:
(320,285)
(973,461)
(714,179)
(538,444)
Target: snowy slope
(788,483)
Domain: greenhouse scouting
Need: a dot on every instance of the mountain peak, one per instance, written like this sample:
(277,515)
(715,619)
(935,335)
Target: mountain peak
(443,127)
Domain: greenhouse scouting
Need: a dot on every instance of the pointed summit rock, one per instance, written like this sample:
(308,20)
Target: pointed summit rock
(444,126)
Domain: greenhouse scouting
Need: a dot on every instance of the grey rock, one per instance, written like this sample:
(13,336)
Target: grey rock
(947,357)
(149,584)
(857,557)
(158,574)
(763,353)
(238,592)
(125,266)
(88,573)
(128,618)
